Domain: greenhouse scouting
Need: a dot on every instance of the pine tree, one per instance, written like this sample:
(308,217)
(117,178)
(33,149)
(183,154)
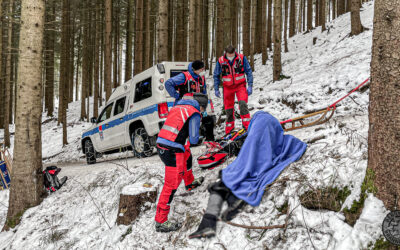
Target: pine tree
(269,25)
(192,30)
(129,37)
(2,78)
(309,15)
(107,48)
(180,22)
(246,27)
(264,32)
(277,65)
(96,61)
(147,45)
(356,27)
(292,18)
(234,23)
(384,114)
(322,15)
(163,31)
(27,189)
(286,24)
(253,32)
(64,68)
(115,24)
(220,28)
(8,75)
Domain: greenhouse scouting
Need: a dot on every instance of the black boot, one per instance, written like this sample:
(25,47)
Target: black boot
(196,183)
(206,228)
(235,206)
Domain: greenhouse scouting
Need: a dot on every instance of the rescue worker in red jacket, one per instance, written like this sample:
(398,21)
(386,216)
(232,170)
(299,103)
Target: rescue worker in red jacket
(183,122)
(232,67)
(192,81)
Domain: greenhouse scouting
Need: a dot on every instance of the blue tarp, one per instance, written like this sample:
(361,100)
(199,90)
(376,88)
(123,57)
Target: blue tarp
(263,156)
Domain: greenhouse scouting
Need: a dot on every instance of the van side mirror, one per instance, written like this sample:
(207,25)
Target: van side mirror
(161,68)
(93,120)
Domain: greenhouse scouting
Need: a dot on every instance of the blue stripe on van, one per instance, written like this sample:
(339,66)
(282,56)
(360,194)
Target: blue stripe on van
(149,110)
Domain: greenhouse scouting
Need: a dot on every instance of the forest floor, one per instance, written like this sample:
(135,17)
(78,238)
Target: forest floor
(82,214)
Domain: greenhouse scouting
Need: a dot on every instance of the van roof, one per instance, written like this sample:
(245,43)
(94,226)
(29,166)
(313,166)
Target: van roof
(120,90)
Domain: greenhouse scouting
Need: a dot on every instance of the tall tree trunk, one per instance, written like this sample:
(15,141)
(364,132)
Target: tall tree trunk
(115,40)
(163,31)
(8,75)
(86,64)
(277,65)
(49,58)
(185,15)
(309,15)
(96,62)
(180,22)
(213,41)
(269,25)
(71,54)
(246,27)
(227,23)
(107,49)
(317,11)
(340,7)
(138,65)
(147,47)
(170,29)
(78,63)
(234,23)
(356,27)
(258,45)
(322,15)
(2,79)
(292,18)
(199,33)
(129,32)
(220,28)
(27,189)
(192,30)
(334,13)
(304,15)
(206,39)
(384,114)
(286,24)
(153,19)
(300,17)
(264,32)
(253,32)
(64,68)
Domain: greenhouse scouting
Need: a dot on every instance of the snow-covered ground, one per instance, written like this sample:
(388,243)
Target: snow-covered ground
(82,214)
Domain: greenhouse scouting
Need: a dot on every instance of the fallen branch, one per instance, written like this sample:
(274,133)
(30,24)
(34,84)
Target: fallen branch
(254,227)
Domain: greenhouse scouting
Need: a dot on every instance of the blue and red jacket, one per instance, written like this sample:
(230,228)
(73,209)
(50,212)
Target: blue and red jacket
(183,121)
(186,82)
(240,66)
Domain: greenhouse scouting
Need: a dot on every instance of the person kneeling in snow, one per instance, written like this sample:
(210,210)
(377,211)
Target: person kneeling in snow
(183,121)
(264,155)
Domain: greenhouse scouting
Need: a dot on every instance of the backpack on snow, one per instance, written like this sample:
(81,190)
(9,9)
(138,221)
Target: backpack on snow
(50,179)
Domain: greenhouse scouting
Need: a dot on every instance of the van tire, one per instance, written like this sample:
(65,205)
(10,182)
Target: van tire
(90,152)
(141,143)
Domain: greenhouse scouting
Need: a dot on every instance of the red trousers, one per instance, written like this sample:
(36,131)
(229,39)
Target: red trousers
(229,101)
(178,166)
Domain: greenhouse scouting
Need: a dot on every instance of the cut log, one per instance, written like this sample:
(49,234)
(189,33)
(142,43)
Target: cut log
(133,200)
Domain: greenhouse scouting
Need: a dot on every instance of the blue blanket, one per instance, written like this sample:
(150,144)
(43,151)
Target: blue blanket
(263,156)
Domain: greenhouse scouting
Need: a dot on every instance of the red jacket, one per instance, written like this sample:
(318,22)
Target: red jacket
(232,74)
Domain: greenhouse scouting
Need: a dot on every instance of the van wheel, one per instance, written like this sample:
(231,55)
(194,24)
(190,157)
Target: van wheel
(141,143)
(90,152)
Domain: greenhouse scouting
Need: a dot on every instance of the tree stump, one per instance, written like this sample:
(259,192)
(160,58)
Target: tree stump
(133,200)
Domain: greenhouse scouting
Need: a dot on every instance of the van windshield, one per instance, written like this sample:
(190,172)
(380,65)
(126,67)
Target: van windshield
(175,72)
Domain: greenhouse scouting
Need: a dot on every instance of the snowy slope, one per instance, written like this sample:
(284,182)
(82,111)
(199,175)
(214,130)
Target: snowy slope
(82,214)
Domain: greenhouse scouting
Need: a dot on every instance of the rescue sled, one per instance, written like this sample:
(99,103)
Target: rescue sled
(219,151)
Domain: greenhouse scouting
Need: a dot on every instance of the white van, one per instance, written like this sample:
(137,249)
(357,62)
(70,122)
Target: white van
(134,114)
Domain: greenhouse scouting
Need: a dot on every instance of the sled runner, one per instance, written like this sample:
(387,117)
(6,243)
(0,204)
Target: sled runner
(317,117)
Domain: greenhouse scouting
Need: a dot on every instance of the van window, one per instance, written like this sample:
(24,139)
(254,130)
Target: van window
(143,90)
(119,106)
(175,72)
(106,113)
